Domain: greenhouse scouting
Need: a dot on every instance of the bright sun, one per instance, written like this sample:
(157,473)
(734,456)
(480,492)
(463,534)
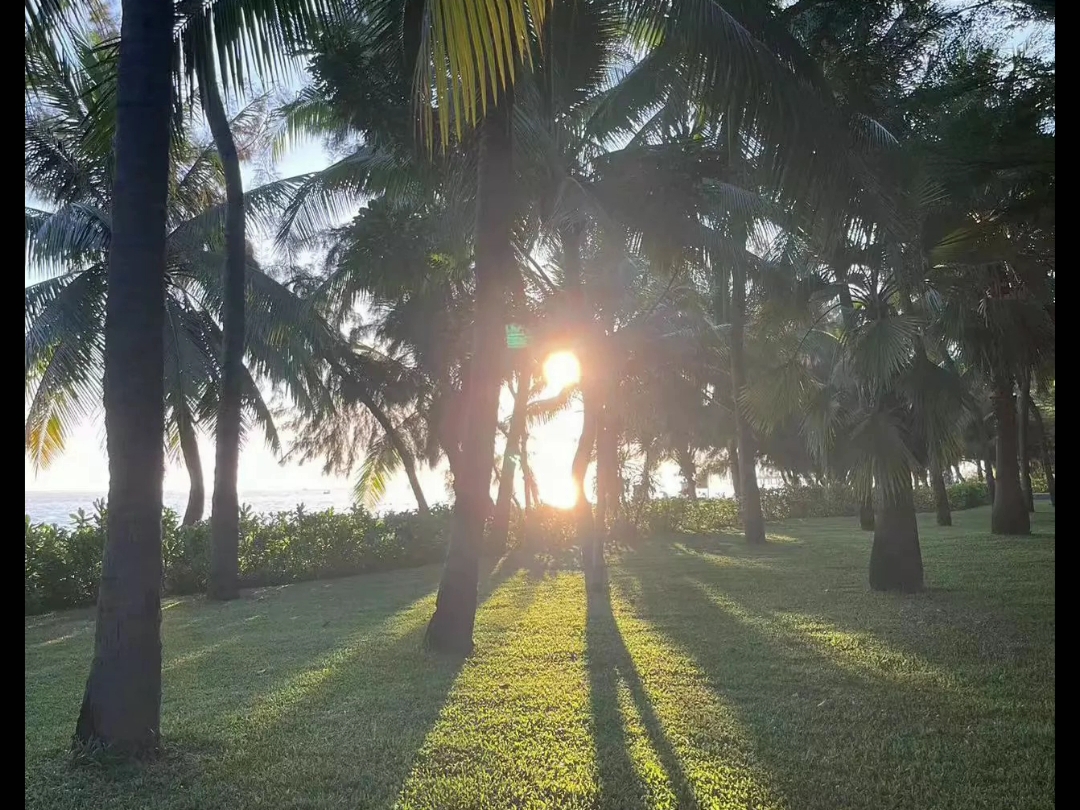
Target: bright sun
(561,370)
(558,492)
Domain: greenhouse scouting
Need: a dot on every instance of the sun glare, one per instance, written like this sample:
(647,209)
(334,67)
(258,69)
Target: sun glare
(561,370)
(558,492)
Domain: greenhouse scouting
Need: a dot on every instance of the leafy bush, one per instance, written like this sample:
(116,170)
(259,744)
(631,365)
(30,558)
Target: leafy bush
(968,494)
(63,564)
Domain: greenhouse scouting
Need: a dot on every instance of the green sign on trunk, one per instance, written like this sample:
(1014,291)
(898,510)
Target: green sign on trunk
(516,337)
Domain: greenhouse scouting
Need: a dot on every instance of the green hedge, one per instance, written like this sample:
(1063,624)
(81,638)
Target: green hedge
(63,564)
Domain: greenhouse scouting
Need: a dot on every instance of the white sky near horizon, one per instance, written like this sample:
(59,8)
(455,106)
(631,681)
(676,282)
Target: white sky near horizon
(83,467)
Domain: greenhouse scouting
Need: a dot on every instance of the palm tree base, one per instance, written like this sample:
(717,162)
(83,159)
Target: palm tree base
(895,558)
(1010,515)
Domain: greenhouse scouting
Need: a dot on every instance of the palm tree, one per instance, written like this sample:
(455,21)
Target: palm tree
(69,168)
(121,707)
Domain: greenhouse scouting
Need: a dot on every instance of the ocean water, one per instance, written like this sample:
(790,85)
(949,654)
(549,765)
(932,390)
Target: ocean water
(57,507)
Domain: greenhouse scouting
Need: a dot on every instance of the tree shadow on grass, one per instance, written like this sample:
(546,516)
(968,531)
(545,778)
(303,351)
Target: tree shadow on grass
(608,662)
(262,674)
(839,728)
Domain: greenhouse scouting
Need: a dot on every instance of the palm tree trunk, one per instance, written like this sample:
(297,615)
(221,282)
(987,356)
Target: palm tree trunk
(979,469)
(1010,514)
(189,446)
(895,557)
(941,494)
(1022,448)
(991,482)
(847,311)
(866,513)
(225,508)
(1044,452)
(451,627)
(733,469)
(121,706)
(408,461)
(689,473)
(750,500)
(607,477)
(586,529)
(500,525)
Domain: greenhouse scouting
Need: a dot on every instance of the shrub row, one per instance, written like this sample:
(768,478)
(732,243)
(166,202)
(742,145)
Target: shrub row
(62,565)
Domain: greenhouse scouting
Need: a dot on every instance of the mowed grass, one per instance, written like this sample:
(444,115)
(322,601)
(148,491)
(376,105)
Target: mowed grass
(708,676)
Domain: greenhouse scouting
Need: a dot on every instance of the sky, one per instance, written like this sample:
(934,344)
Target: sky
(83,467)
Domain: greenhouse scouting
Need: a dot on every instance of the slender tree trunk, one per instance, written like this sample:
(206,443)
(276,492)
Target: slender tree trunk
(189,446)
(895,557)
(225,509)
(941,494)
(121,706)
(991,482)
(500,526)
(689,473)
(408,460)
(1044,452)
(607,474)
(1022,448)
(733,469)
(750,496)
(451,627)
(847,311)
(1010,514)
(587,531)
(531,490)
(979,469)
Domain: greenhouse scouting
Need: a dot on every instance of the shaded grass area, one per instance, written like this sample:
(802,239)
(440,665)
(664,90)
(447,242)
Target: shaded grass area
(706,675)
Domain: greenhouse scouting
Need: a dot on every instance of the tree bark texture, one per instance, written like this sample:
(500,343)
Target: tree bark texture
(750,497)
(223,582)
(451,627)
(121,706)
(895,557)
(1010,513)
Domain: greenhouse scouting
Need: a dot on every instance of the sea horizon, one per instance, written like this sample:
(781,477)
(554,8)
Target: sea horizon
(59,506)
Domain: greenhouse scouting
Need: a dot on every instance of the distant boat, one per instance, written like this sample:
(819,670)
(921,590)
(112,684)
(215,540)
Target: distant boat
(326,492)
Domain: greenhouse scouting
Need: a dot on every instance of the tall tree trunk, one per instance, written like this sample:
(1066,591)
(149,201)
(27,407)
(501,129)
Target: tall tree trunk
(587,531)
(451,627)
(1010,514)
(991,482)
(1044,452)
(189,446)
(1022,448)
(847,311)
(121,706)
(895,557)
(531,490)
(500,525)
(733,469)
(607,474)
(941,494)
(979,469)
(225,508)
(750,496)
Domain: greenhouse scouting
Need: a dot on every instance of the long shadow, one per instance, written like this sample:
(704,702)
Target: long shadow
(797,703)
(247,681)
(356,737)
(608,661)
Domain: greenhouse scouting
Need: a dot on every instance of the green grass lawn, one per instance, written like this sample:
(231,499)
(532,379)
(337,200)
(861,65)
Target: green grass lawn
(710,676)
